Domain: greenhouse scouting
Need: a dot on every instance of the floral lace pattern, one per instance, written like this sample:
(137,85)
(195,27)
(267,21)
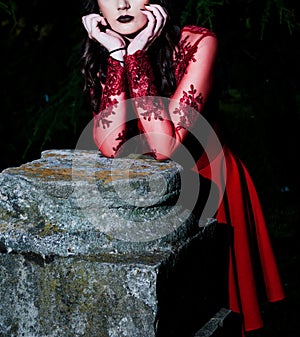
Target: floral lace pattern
(187,50)
(198,30)
(185,56)
(114,86)
(189,106)
(136,81)
(140,75)
(189,103)
(122,137)
(141,83)
(150,106)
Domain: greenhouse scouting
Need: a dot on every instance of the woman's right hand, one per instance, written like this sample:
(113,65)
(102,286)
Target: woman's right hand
(157,18)
(106,37)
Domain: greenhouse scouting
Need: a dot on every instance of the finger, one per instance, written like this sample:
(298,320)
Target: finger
(164,16)
(103,24)
(114,34)
(158,11)
(154,27)
(157,20)
(87,22)
(84,21)
(151,21)
(97,27)
(146,37)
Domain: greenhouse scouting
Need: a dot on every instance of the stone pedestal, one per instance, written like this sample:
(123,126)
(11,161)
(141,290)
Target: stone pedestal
(91,246)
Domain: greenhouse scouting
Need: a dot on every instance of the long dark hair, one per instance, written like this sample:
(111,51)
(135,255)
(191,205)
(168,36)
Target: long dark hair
(94,59)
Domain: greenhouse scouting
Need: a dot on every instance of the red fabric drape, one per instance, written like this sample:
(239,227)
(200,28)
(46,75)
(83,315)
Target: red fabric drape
(241,209)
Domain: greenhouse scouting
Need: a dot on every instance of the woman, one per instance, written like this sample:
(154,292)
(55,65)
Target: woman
(134,50)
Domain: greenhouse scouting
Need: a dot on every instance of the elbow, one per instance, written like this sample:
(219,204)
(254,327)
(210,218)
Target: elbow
(107,151)
(161,157)
(108,154)
(165,147)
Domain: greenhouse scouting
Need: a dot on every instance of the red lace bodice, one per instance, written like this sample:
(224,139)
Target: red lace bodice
(164,127)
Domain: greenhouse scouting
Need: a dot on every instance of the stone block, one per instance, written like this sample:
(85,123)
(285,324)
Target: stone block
(91,246)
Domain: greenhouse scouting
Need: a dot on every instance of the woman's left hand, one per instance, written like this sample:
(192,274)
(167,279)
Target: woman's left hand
(157,18)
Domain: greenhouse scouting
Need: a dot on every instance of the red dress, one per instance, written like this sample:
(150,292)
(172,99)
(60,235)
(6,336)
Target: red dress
(240,206)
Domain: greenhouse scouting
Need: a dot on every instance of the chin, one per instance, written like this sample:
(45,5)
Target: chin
(130,30)
(127,31)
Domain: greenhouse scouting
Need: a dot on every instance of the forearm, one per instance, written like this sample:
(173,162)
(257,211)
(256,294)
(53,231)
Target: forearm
(153,115)
(109,130)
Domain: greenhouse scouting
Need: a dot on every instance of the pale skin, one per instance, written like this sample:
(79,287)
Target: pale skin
(148,23)
(153,15)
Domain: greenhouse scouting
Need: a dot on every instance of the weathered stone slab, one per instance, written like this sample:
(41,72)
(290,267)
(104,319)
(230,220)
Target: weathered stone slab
(87,245)
(214,325)
(64,193)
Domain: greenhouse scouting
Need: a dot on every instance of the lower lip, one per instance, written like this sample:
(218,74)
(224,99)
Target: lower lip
(125,20)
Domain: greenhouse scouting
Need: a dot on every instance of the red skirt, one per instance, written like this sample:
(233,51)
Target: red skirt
(240,208)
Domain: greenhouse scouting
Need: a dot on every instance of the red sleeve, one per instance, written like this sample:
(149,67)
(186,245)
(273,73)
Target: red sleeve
(194,71)
(166,128)
(140,75)
(109,130)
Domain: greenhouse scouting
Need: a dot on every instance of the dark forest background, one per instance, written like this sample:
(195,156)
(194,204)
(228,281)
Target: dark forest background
(42,106)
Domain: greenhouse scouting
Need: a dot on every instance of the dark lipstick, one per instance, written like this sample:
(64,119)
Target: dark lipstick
(125,18)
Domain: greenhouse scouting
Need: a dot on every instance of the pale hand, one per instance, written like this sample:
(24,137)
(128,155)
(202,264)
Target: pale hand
(108,38)
(157,18)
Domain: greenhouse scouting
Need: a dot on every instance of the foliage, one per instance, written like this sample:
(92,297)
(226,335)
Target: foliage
(61,115)
(285,15)
(204,12)
(9,8)
(42,83)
